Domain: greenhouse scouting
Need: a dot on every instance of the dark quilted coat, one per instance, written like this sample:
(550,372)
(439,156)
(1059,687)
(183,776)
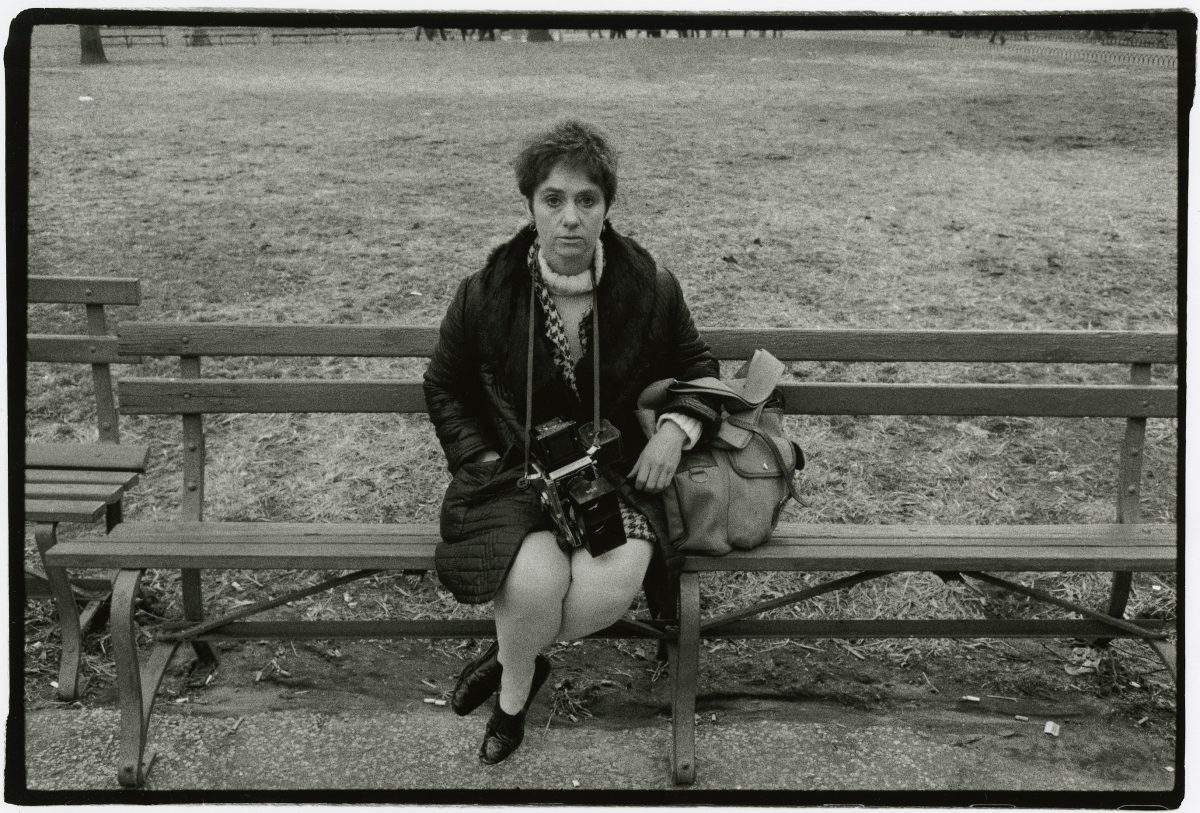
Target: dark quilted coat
(475,393)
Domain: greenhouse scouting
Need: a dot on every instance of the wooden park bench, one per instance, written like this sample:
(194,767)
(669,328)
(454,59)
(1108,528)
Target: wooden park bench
(1142,37)
(221,36)
(306,36)
(372,34)
(193,544)
(77,482)
(148,35)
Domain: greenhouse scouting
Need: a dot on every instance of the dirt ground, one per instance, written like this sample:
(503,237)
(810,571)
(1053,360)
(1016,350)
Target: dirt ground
(1115,725)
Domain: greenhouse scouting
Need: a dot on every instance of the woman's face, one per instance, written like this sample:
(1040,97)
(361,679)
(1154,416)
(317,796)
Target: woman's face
(568,210)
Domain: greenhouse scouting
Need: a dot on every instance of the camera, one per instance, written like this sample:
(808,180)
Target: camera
(582,504)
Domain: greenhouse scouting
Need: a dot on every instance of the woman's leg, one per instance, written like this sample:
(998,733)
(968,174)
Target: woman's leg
(602,588)
(528,609)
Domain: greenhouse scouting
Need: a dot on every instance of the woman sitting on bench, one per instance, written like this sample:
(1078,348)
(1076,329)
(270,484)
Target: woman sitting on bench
(561,532)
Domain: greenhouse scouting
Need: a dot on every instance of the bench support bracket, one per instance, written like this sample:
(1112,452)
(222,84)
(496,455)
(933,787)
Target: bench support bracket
(190,633)
(1042,595)
(794,598)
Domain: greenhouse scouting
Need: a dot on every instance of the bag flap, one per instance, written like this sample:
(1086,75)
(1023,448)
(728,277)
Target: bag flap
(731,436)
(756,379)
(751,386)
(756,460)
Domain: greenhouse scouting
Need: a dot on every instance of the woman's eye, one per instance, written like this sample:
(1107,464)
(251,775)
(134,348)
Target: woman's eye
(587,200)
(552,200)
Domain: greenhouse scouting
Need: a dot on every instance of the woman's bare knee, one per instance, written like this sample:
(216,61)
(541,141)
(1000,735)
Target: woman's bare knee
(540,573)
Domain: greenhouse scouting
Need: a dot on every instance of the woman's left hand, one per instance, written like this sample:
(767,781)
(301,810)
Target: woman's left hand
(660,459)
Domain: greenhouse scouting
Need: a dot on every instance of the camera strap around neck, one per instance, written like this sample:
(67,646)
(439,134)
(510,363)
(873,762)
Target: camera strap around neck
(529,361)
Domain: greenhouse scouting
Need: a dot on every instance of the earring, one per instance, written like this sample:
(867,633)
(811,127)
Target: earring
(532,227)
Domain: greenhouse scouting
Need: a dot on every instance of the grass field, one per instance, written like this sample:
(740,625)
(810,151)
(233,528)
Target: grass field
(801,182)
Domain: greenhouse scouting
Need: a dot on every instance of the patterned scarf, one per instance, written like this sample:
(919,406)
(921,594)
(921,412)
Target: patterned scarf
(556,332)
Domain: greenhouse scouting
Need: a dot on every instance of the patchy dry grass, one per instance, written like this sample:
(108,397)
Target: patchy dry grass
(807,181)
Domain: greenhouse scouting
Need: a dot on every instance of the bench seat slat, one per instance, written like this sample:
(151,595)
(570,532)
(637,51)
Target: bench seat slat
(92,456)
(1112,533)
(151,396)
(63,510)
(104,492)
(793,538)
(298,532)
(242,555)
(266,546)
(354,555)
(123,479)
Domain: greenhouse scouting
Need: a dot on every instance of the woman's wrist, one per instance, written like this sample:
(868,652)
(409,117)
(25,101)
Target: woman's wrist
(672,431)
(484,456)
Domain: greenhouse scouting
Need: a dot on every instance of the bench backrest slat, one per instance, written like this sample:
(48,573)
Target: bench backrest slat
(84,349)
(141,396)
(1052,346)
(1086,347)
(213,339)
(85,290)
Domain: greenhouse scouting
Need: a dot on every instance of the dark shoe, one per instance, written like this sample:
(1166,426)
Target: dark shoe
(504,731)
(477,682)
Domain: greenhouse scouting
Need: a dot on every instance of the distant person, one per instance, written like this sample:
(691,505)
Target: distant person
(523,331)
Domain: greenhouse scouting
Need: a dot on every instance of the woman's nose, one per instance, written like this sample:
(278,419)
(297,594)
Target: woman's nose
(570,213)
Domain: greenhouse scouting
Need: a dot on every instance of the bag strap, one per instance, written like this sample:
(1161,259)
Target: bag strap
(595,365)
(788,477)
(595,356)
(529,378)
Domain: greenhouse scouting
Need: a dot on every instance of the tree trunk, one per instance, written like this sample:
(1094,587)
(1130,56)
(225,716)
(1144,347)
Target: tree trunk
(539,35)
(199,37)
(91,47)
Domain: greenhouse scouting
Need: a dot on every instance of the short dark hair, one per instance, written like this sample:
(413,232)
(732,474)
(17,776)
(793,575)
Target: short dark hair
(577,145)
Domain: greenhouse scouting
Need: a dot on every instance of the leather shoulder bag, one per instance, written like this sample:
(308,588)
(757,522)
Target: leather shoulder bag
(729,490)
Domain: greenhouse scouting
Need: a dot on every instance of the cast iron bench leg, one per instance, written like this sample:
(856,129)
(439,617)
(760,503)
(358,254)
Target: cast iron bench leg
(69,685)
(130,771)
(136,689)
(684,680)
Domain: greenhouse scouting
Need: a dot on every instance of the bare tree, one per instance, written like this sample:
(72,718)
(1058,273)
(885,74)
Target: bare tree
(91,47)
